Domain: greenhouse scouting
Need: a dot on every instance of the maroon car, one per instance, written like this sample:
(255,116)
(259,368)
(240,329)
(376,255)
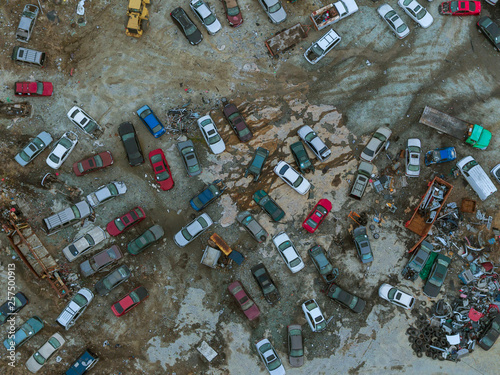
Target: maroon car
(94,163)
(233,12)
(33,88)
(122,223)
(101,261)
(237,122)
(248,306)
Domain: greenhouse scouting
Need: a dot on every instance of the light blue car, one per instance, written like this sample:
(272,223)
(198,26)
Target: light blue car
(24,333)
(149,119)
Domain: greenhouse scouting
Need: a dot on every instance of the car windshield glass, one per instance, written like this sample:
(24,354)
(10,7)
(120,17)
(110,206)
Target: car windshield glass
(186,234)
(119,224)
(156,129)
(145,113)
(202,222)
(421,14)
(194,168)
(402,28)
(214,139)
(54,342)
(274,364)
(244,132)
(233,11)
(467,167)
(275,7)
(368,152)
(310,136)
(311,223)
(39,358)
(134,297)
(90,240)
(162,176)
(295,262)
(39,88)
(76,212)
(285,245)
(24,156)
(413,167)
(391,293)
(298,181)
(112,189)
(206,122)
(98,161)
(210,19)
(128,136)
(317,49)
(65,142)
(79,300)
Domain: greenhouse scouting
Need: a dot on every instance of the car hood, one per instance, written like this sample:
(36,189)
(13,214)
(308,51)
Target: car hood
(278,16)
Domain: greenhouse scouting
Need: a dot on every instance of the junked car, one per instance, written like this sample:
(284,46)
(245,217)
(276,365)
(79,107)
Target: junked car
(61,149)
(317,215)
(36,88)
(490,334)
(274,10)
(107,192)
(270,357)
(397,25)
(188,28)
(131,144)
(93,163)
(346,299)
(440,155)
(257,163)
(396,296)
(13,305)
(495,172)
(209,194)
(233,12)
(317,146)
(266,283)
(129,301)
(376,144)
(33,149)
(288,252)
(149,237)
(416,12)
(112,280)
(491,30)
(417,261)
(205,15)
(437,275)
(250,309)
(193,230)
(253,227)
(189,158)
(293,179)
(84,243)
(322,46)
(295,345)
(161,169)
(362,243)
(412,157)
(314,316)
(152,122)
(75,308)
(101,261)
(39,358)
(81,119)
(29,329)
(322,264)
(124,222)
(268,205)
(211,135)
(301,158)
(460,8)
(83,363)
(237,122)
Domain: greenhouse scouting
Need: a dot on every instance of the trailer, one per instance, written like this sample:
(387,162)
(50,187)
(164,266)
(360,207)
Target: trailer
(472,134)
(286,39)
(428,208)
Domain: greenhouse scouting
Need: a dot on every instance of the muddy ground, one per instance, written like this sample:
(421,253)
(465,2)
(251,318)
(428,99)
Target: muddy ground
(370,79)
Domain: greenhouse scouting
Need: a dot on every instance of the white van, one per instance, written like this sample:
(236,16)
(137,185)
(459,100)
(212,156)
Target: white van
(75,308)
(476,177)
(29,56)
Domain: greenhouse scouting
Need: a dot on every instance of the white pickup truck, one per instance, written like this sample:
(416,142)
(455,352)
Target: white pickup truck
(322,46)
(332,13)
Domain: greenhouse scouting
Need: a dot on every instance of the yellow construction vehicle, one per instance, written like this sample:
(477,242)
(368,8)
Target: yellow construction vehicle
(137,13)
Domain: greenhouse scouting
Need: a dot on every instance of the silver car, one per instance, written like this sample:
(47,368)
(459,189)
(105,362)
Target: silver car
(412,157)
(253,227)
(205,15)
(377,142)
(189,158)
(84,243)
(274,10)
(33,149)
(395,22)
(193,230)
(106,192)
(416,12)
(314,142)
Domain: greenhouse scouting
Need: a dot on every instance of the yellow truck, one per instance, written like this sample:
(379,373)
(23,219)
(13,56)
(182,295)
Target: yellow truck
(137,13)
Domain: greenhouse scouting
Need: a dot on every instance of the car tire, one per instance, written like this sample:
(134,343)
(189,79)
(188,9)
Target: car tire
(419,354)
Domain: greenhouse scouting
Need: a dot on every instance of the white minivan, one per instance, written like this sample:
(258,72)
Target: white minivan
(476,177)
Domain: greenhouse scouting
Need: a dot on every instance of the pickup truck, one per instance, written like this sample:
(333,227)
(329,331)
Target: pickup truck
(322,46)
(365,170)
(332,13)
(472,134)
(68,216)
(27,23)
(208,195)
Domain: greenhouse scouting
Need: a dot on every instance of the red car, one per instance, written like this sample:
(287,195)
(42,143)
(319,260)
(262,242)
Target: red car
(237,122)
(161,169)
(94,163)
(131,300)
(248,306)
(460,8)
(317,215)
(122,223)
(233,12)
(33,88)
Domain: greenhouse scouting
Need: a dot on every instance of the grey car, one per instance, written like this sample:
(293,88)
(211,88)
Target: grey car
(189,158)
(274,10)
(362,243)
(112,280)
(257,163)
(33,149)
(101,261)
(295,345)
(253,227)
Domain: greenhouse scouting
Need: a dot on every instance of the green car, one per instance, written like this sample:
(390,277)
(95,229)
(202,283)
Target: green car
(24,333)
(268,205)
(145,240)
(491,30)
(257,163)
(302,160)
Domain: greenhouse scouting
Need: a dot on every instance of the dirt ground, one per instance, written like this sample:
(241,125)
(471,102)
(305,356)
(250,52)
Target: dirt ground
(369,79)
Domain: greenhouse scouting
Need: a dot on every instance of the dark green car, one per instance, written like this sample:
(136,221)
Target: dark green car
(302,160)
(491,30)
(145,240)
(257,163)
(267,204)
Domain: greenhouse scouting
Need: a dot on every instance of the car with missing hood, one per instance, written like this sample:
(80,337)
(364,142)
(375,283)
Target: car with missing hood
(257,164)
(322,264)
(346,299)
(39,358)
(396,296)
(192,230)
(376,144)
(269,357)
(33,149)
(84,243)
(362,243)
(266,283)
(288,252)
(107,192)
(61,149)
(233,12)
(412,157)
(315,144)
(292,178)
(314,316)
(112,280)
(253,227)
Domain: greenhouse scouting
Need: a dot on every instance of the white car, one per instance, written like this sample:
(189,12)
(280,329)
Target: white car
(288,252)
(412,159)
(193,230)
(43,354)
(205,15)
(293,178)
(314,142)
(416,12)
(81,119)
(274,10)
(84,243)
(106,192)
(211,135)
(322,46)
(270,357)
(75,308)
(61,149)
(395,22)
(396,296)
(314,316)
(377,142)
(495,172)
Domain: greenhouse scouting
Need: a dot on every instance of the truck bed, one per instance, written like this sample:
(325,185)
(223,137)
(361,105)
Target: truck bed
(325,16)
(444,123)
(286,39)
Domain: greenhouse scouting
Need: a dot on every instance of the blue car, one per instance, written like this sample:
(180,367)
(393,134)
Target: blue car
(440,155)
(84,363)
(24,333)
(149,119)
(208,195)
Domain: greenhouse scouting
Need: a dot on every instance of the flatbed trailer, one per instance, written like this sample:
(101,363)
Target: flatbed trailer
(286,39)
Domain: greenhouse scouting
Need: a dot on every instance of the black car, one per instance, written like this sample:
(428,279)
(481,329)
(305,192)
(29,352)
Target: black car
(336,293)
(131,143)
(12,306)
(491,30)
(302,160)
(265,282)
(187,26)
(491,334)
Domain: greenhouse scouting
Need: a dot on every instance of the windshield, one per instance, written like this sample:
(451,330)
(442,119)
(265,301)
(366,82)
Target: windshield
(80,300)
(233,11)
(402,28)
(274,8)
(210,19)
(421,14)
(119,224)
(467,167)
(298,181)
(186,234)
